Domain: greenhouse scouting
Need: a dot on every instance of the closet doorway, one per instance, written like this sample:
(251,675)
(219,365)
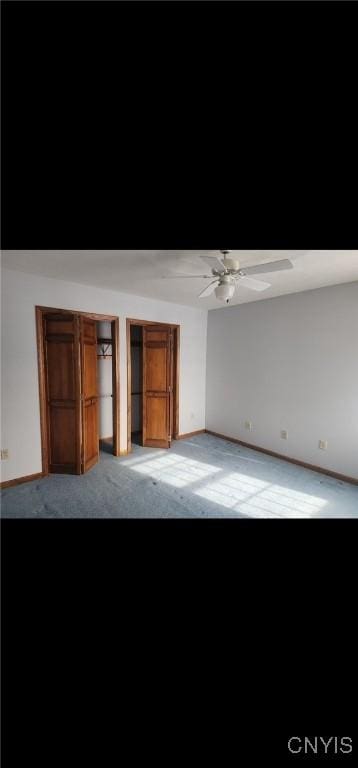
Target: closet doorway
(152,383)
(75,411)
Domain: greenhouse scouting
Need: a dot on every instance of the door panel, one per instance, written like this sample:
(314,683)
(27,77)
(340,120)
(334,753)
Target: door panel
(62,424)
(61,350)
(89,329)
(153,335)
(61,373)
(89,394)
(89,370)
(91,440)
(59,325)
(157,419)
(157,390)
(156,370)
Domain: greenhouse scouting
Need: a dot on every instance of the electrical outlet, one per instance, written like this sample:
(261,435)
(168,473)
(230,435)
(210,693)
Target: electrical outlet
(248,425)
(4,454)
(323,445)
(284,434)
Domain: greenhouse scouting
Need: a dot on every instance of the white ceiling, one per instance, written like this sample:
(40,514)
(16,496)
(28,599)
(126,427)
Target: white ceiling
(142,272)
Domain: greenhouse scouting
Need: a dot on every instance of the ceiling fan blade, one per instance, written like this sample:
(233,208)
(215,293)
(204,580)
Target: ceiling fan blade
(213,262)
(272,266)
(180,277)
(254,285)
(208,290)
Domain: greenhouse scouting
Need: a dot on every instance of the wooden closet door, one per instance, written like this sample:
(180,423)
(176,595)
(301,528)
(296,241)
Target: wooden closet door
(62,364)
(157,388)
(89,393)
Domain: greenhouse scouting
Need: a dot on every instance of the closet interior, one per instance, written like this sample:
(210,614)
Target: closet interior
(105,385)
(136,342)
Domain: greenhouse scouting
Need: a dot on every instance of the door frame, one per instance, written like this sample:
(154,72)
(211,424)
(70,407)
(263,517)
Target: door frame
(176,360)
(114,320)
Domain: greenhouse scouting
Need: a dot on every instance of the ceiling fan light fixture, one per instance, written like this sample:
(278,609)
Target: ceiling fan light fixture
(224,292)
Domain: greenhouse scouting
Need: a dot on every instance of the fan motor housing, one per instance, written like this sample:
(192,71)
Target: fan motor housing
(231,264)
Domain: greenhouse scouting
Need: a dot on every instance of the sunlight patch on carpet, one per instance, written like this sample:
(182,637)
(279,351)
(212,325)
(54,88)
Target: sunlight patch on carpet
(175,470)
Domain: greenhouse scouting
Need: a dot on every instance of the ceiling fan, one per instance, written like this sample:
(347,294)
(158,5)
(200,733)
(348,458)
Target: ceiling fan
(227,273)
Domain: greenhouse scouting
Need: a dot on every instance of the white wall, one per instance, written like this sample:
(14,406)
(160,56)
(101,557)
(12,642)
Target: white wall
(289,363)
(20,398)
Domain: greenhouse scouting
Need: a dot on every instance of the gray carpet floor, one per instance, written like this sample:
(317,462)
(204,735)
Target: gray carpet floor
(197,478)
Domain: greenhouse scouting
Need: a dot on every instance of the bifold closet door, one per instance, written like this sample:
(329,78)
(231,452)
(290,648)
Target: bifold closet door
(62,364)
(89,393)
(70,347)
(157,386)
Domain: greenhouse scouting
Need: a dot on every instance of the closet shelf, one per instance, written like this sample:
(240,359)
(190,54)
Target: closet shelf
(104,344)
